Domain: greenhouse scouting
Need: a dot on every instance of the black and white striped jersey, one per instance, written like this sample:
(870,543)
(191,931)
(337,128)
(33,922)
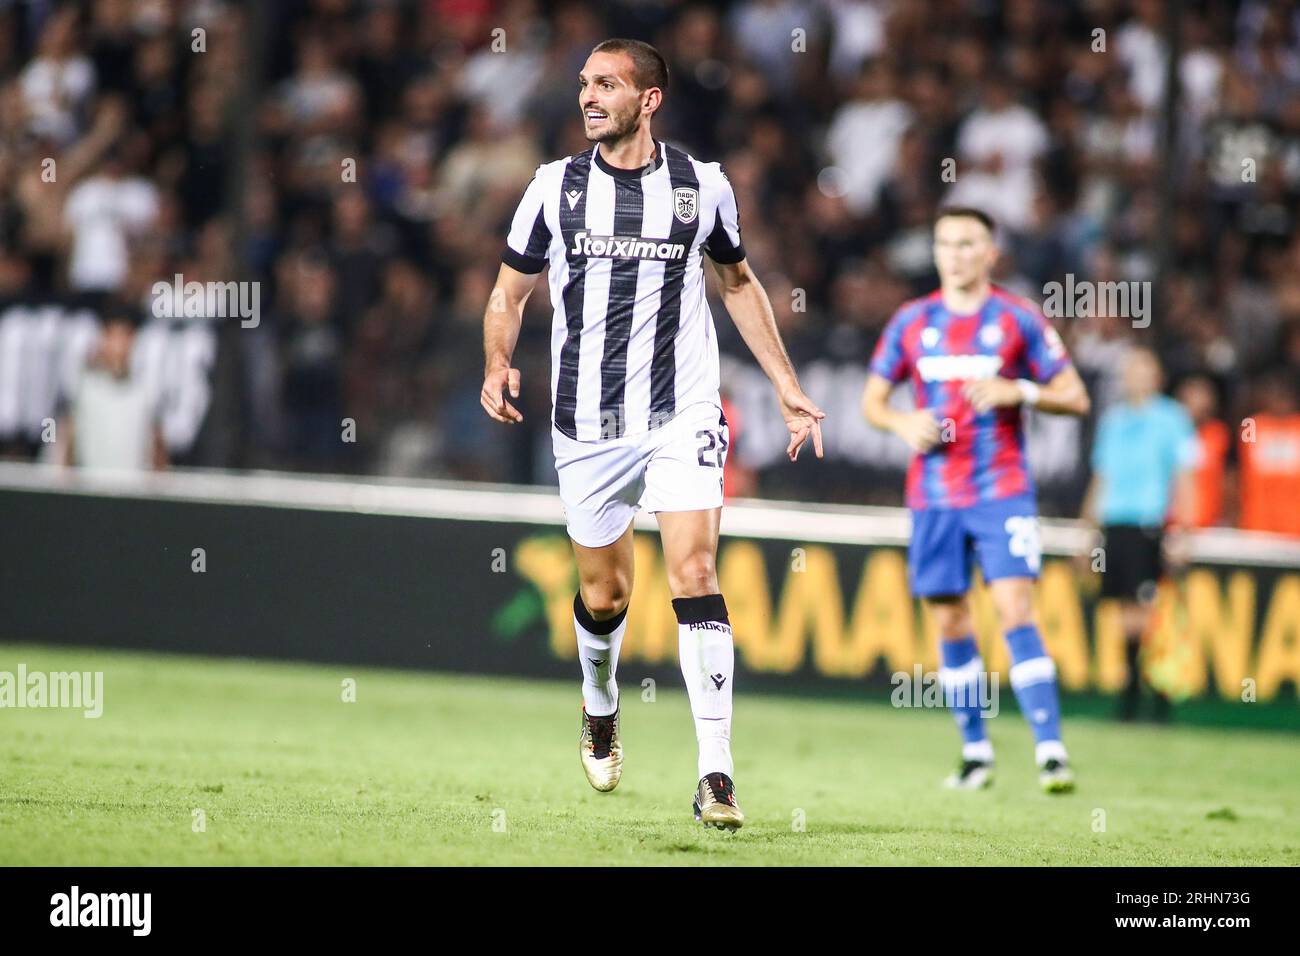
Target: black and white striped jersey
(632,340)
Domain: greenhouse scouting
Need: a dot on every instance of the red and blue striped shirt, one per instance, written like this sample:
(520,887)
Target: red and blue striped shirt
(1007,336)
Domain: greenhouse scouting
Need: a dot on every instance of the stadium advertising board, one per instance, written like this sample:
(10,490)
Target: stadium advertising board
(483,581)
(840,612)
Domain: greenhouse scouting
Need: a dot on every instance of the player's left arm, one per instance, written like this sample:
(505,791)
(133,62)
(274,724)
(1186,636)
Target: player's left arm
(1055,386)
(1064,394)
(749,307)
(1176,546)
(1182,510)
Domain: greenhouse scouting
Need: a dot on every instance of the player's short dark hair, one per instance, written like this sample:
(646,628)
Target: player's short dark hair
(115,311)
(1147,351)
(649,69)
(967,212)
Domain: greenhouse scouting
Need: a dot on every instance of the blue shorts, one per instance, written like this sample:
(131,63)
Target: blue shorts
(1002,534)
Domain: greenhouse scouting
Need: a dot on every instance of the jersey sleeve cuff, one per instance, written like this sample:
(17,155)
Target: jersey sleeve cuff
(522,263)
(1052,371)
(889,374)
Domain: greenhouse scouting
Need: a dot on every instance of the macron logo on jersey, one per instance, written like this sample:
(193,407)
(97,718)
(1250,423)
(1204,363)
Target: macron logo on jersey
(947,368)
(626,247)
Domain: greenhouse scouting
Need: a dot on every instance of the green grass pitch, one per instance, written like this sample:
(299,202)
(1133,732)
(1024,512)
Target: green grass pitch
(428,769)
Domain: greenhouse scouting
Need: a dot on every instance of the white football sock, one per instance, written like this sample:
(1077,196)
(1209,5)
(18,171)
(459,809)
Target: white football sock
(598,655)
(707,656)
(977,750)
(1046,750)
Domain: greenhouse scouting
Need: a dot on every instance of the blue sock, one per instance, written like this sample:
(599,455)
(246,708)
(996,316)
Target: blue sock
(1033,678)
(959,677)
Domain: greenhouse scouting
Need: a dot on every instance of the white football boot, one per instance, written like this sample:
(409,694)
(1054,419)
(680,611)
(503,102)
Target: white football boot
(971,775)
(715,803)
(601,750)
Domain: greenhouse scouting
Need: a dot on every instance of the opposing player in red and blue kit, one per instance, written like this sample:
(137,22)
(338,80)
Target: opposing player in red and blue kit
(975,354)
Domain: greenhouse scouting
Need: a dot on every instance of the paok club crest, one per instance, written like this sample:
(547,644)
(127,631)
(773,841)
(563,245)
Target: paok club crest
(686,202)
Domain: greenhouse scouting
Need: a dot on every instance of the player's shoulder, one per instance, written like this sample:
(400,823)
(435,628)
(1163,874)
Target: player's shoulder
(554,170)
(1173,409)
(1107,420)
(915,309)
(711,175)
(1022,308)
(1032,324)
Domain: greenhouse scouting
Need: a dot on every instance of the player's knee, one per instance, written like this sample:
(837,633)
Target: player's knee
(694,576)
(606,600)
(1015,609)
(951,619)
(955,627)
(1010,620)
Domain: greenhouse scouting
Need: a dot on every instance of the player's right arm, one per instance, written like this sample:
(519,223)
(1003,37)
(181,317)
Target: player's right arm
(522,262)
(889,365)
(501,322)
(1055,386)
(916,427)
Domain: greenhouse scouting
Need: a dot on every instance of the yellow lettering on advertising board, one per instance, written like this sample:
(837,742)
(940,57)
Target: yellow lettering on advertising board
(742,579)
(651,634)
(882,625)
(1279,645)
(1225,629)
(811,601)
(547,562)
(1060,620)
(1211,620)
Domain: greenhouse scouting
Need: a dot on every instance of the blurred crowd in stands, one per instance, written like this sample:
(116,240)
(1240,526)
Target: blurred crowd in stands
(360,159)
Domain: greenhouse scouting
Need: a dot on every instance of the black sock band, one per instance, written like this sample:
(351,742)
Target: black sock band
(697,610)
(590,624)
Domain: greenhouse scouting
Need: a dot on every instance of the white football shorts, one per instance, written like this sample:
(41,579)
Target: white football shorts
(676,467)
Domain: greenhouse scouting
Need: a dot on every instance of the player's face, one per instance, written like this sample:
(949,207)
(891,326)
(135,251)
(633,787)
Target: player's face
(610,101)
(1141,377)
(115,347)
(964,252)
(1197,396)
